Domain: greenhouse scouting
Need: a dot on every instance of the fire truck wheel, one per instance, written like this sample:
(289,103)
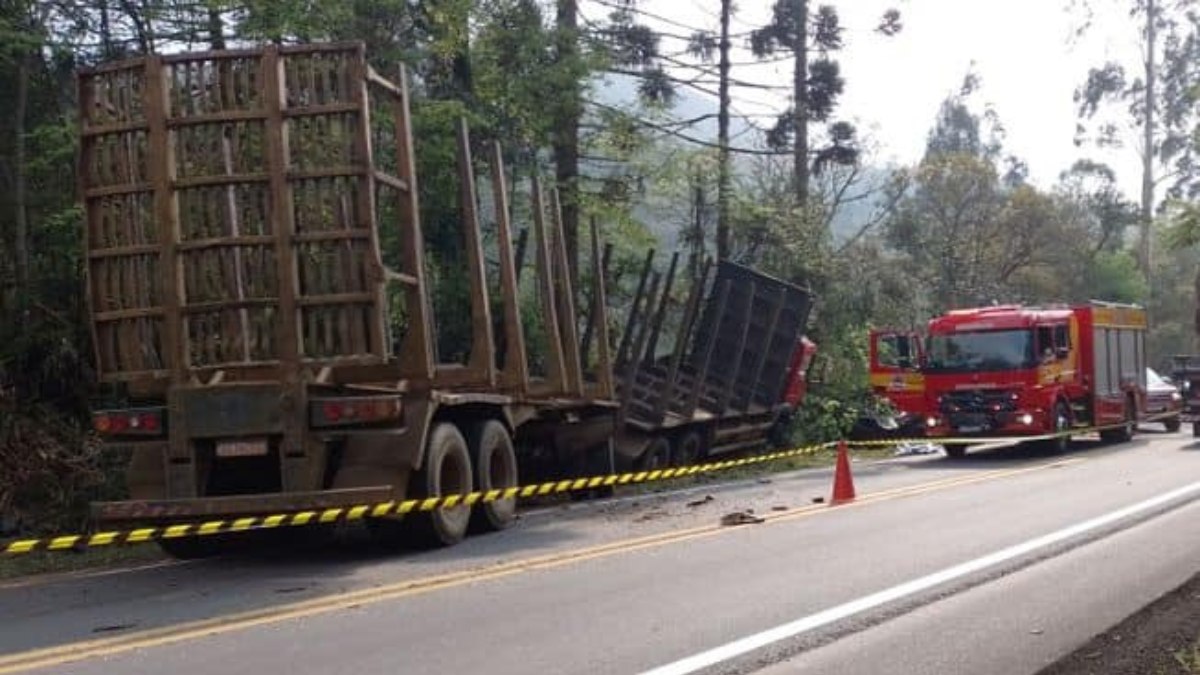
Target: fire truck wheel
(657,455)
(1062,423)
(688,449)
(1172,424)
(495,468)
(955,450)
(447,471)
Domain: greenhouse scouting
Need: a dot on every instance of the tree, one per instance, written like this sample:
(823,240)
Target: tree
(816,84)
(1160,102)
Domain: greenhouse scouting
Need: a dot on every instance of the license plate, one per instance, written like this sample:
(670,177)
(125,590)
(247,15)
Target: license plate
(970,430)
(252,448)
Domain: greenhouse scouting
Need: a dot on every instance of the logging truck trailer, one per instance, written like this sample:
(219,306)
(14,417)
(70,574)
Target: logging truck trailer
(270,360)
(728,376)
(259,295)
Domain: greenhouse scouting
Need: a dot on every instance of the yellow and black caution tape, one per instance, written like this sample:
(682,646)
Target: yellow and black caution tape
(77,542)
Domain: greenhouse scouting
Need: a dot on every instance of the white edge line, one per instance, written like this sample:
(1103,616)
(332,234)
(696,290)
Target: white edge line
(750,643)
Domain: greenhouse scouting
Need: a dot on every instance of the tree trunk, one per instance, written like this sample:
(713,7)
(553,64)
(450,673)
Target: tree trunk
(216,29)
(566,138)
(800,92)
(1147,214)
(723,170)
(20,183)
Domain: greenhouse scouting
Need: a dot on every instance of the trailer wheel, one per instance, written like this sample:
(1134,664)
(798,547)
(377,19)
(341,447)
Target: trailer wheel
(446,471)
(657,455)
(689,448)
(1123,433)
(495,468)
(1172,424)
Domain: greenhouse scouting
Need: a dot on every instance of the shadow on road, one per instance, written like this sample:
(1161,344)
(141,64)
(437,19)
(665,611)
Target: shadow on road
(1028,453)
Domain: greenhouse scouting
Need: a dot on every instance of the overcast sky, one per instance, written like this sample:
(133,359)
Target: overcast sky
(1024,51)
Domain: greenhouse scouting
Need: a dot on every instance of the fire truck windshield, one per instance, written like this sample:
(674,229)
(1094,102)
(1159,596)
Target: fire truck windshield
(980,351)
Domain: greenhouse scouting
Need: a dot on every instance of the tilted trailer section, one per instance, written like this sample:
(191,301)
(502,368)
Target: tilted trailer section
(720,380)
(235,205)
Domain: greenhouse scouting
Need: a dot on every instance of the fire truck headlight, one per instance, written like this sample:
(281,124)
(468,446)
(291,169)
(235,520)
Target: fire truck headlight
(931,422)
(1026,419)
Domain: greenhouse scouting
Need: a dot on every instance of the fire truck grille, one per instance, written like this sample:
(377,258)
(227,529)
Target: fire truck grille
(987,402)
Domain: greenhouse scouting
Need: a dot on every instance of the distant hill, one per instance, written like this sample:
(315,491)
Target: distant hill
(621,91)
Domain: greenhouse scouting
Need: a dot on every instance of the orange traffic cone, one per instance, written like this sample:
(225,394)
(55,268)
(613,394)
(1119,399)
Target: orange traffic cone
(843,482)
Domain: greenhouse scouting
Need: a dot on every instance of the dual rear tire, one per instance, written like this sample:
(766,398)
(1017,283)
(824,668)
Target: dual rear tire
(455,463)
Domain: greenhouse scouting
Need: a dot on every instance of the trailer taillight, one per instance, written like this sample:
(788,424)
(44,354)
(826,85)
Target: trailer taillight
(134,422)
(358,410)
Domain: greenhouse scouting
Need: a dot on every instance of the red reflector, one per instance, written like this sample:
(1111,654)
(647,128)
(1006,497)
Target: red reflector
(149,422)
(119,423)
(333,412)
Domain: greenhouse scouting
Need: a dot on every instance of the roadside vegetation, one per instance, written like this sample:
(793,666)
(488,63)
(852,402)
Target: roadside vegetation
(592,98)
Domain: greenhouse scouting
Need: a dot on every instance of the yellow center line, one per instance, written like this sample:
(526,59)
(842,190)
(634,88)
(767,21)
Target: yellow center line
(77,651)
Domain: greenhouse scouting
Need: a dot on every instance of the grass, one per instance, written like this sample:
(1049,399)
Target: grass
(1188,658)
(45,562)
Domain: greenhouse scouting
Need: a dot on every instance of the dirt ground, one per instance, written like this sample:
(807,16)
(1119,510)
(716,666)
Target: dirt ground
(1162,639)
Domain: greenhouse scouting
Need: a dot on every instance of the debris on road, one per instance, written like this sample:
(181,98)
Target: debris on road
(701,502)
(746,517)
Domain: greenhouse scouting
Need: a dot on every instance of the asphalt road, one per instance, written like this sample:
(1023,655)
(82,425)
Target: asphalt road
(996,564)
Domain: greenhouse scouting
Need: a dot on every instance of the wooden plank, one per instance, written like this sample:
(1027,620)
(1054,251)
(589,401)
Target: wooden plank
(628,388)
(378,80)
(124,251)
(329,299)
(481,364)
(631,321)
(374,339)
(289,348)
(565,294)
(691,312)
(390,181)
(515,375)
(166,211)
(706,361)
(220,180)
(555,380)
(416,351)
(118,190)
(234,241)
(663,305)
(599,315)
(111,316)
(90,130)
(220,117)
(322,109)
(590,327)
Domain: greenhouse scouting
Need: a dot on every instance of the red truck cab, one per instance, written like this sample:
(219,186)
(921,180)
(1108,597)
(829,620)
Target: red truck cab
(1025,371)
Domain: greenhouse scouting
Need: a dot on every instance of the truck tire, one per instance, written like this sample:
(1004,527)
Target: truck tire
(495,463)
(688,449)
(1124,433)
(955,450)
(1195,429)
(1172,424)
(1062,423)
(657,455)
(446,471)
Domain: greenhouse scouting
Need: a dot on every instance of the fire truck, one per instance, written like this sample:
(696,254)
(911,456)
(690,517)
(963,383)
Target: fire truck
(1014,370)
